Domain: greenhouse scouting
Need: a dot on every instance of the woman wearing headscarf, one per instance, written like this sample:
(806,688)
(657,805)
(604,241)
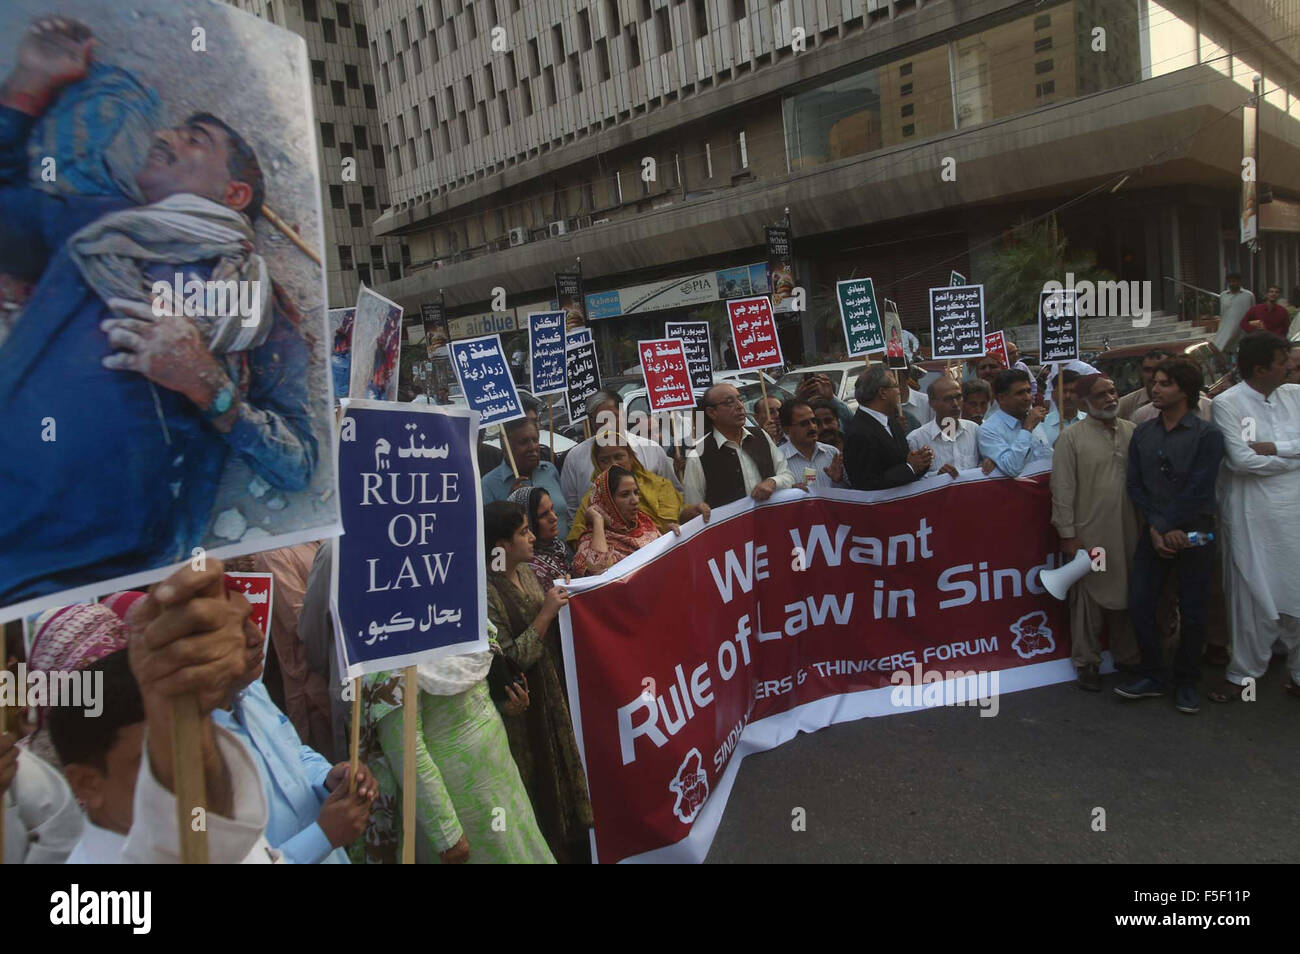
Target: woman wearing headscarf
(69,639)
(541,737)
(551,560)
(617,527)
(464,771)
(658,498)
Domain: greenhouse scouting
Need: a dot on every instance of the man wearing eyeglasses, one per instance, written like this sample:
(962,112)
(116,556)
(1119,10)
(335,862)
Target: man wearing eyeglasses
(1173,465)
(811,462)
(875,444)
(732,461)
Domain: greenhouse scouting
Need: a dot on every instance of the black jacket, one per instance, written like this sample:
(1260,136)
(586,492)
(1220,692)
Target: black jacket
(876,459)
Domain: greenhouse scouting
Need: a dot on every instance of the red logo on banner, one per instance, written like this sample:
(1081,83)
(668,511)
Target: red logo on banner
(753,333)
(807,604)
(667,375)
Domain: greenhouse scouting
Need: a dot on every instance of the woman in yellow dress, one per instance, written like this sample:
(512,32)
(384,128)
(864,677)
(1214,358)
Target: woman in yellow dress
(660,500)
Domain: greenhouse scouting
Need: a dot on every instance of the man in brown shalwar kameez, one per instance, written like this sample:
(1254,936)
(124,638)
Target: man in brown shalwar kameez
(1090,509)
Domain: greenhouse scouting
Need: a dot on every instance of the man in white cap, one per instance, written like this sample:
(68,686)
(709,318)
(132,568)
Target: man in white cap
(1091,511)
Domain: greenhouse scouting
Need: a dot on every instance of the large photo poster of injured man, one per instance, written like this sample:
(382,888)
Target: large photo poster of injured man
(164,358)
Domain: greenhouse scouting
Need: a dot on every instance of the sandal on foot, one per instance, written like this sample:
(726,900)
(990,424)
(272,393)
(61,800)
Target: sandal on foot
(1226,692)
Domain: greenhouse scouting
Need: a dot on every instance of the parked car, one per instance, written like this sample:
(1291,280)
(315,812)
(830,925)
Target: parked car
(751,392)
(731,375)
(1124,365)
(843,375)
(562,443)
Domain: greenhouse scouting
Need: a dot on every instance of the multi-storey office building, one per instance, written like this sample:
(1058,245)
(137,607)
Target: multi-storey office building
(347,121)
(905,137)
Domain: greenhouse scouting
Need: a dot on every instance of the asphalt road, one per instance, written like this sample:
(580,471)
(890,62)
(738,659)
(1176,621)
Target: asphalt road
(944,785)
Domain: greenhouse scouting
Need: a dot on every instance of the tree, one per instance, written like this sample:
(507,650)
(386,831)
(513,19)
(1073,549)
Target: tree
(1032,254)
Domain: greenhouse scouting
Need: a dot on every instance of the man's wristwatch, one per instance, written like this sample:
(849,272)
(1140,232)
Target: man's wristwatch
(221,402)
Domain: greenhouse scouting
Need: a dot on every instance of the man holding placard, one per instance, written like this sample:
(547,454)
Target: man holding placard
(1006,436)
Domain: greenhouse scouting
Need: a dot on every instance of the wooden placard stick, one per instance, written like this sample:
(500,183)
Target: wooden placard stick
(550,408)
(410,703)
(191,794)
(510,455)
(356,736)
(4,726)
(289,233)
(586,428)
(1060,395)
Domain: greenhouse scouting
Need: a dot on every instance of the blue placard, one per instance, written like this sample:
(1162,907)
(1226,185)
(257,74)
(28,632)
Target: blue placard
(577,337)
(546,351)
(485,379)
(409,579)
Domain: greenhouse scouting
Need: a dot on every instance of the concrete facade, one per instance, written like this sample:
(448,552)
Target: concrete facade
(347,126)
(1028,104)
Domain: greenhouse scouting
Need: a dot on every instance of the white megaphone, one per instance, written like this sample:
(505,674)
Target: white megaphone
(1059,581)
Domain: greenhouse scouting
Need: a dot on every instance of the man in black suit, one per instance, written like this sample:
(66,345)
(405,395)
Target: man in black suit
(876,455)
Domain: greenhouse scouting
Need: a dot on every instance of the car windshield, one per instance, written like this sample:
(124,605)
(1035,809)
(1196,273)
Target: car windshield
(751,394)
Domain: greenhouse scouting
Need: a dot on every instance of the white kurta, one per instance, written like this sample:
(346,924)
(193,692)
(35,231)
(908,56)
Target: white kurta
(153,838)
(1259,496)
(42,819)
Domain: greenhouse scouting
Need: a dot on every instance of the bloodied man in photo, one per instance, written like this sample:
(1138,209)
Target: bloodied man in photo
(157,379)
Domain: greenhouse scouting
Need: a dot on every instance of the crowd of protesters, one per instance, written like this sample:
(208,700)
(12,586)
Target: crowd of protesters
(1188,501)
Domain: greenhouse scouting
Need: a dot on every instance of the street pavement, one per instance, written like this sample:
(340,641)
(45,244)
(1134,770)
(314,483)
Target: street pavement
(945,785)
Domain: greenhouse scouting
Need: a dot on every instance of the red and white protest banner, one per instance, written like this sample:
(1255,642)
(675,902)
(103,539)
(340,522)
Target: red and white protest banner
(802,612)
(995,343)
(667,374)
(753,333)
(258,589)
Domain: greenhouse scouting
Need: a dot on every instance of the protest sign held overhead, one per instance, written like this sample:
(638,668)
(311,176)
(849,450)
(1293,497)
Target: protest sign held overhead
(1058,325)
(259,590)
(485,380)
(341,320)
(860,316)
(780,265)
(667,375)
(957,321)
(956,278)
(546,352)
(433,317)
(895,346)
(698,345)
(138,433)
(568,295)
(376,346)
(409,573)
(753,333)
(995,343)
(888,582)
(583,377)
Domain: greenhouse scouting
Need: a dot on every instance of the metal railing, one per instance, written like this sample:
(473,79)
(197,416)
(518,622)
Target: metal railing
(1200,301)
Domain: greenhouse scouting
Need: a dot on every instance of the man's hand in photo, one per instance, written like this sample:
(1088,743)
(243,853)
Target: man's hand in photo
(54,52)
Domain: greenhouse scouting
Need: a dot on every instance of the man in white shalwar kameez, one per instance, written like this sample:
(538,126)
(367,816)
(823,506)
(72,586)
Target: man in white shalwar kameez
(1259,507)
